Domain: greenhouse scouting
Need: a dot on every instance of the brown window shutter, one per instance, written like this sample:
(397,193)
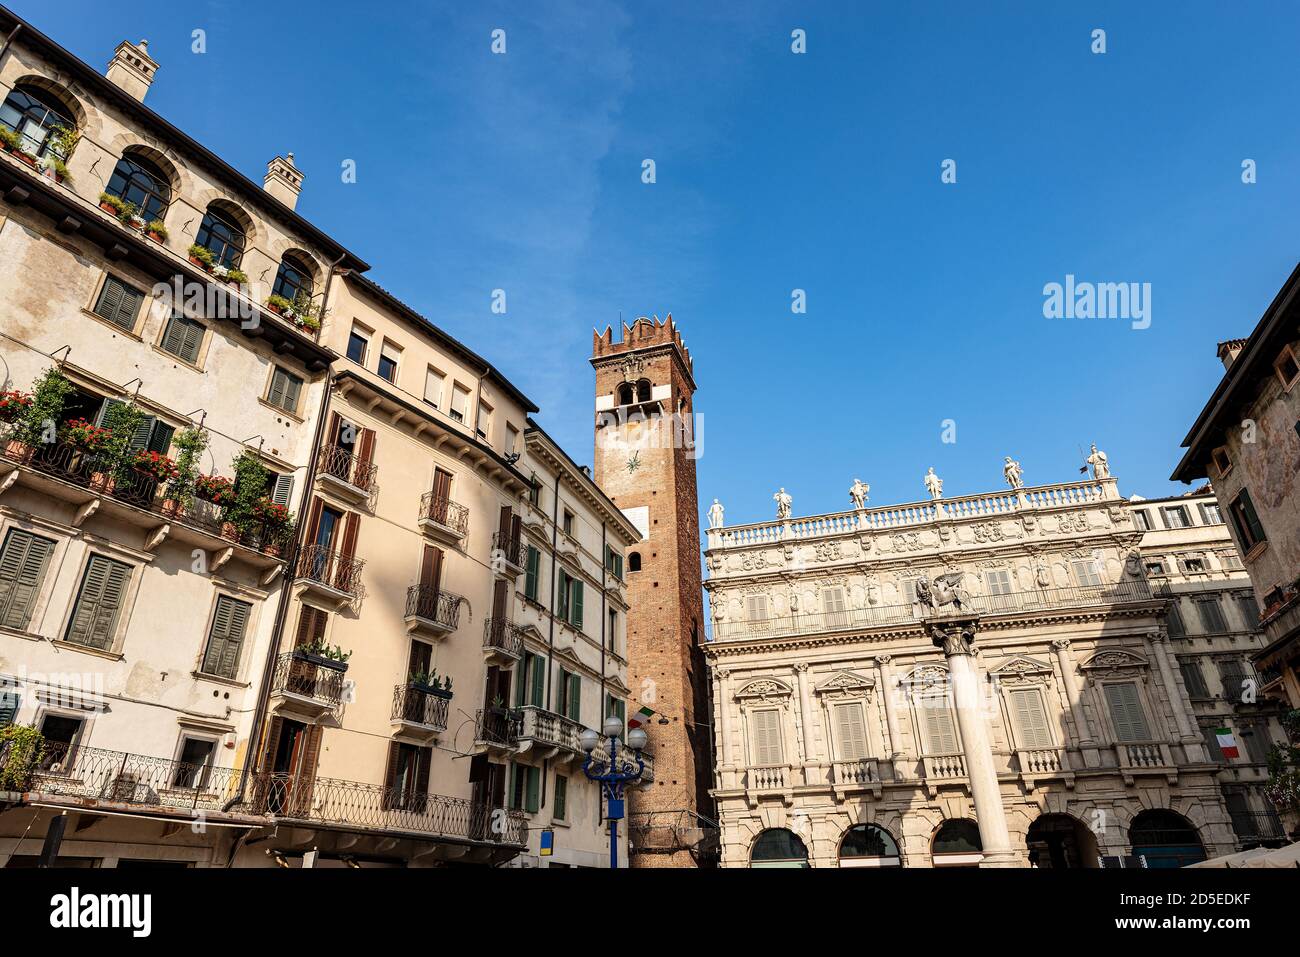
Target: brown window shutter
(441,484)
(431,567)
(318,625)
(503,526)
(389,771)
(350,524)
(499,596)
(313,521)
(422,780)
(332,436)
(366,448)
(273,729)
(305,773)
(516,528)
(306,627)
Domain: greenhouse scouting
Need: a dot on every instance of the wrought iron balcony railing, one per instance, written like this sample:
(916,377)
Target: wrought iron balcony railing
(508,550)
(420,707)
(381,808)
(504,636)
(332,569)
(1075,596)
(119,777)
(442,511)
(498,726)
(71,464)
(297,674)
(1251,827)
(340,462)
(433,604)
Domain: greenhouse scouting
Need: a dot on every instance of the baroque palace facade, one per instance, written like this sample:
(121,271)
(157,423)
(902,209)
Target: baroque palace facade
(1038,676)
(188,675)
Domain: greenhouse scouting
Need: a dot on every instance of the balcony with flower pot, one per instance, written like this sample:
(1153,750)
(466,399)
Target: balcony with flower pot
(420,708)
(307,683)
(497,729)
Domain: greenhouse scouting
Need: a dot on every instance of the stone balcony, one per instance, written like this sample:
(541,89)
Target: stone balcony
(545,735)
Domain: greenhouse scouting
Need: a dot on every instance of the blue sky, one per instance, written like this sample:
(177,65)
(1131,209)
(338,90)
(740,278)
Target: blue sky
(776,172)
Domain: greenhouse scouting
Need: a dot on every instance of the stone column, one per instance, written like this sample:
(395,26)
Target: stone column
(1191,738)
(1081,724)
(723,717)
(894,744)
(805,712)
(957,637)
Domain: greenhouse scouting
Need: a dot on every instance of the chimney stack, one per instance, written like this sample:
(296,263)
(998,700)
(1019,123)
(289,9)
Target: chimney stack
(283,181)
(132,68)
(1229,350)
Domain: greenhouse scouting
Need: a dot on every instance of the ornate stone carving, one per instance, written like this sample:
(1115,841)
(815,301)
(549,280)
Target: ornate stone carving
(933,484)
(1069,522)
(1012,472)
(827,551)
(716,514)
(1020,670)
(907,542)
(1113,663)
(992,532)
(1099,463)
(846,683)
(784,503)
(957,638)
(858,493)
(765,689)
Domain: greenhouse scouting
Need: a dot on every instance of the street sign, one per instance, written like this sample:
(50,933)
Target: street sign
(548,843)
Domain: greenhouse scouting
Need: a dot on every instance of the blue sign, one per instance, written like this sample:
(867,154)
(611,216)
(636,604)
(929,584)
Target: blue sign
(615,809)
(548,843)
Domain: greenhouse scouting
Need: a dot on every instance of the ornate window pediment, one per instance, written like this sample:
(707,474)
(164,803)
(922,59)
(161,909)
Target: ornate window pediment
(925,677)
(615,684)
(1105,664)
(1019,668)
(765,688)
(847,683)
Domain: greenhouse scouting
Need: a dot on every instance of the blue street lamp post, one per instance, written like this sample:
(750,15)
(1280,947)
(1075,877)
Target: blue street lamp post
(615,773)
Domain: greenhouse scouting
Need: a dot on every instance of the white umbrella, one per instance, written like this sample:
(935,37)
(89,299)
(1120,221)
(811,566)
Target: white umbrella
(1233,860)
(1288,856)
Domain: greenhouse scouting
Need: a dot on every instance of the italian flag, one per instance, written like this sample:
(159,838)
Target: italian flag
(1227,743)
(640,717)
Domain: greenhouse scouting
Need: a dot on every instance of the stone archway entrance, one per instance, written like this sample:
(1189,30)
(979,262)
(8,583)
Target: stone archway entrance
(1165,839)
(1060,842)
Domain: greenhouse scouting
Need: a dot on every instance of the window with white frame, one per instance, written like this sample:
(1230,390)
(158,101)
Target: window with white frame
(1175,516)
(1085,572)
(834,607)
(850,730)
(998,581)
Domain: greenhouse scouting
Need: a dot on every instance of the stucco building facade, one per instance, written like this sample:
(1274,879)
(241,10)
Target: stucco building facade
(983,680)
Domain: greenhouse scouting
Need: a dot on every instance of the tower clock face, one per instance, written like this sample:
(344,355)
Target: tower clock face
(634,462)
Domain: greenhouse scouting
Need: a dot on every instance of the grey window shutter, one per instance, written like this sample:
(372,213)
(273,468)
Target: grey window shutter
(1126,712)
(174,335)
(941,734)
(850,731)
(276,395)
(193,339)
(283,490)
(226,637)
(291,389)
(767,737)
(23,562)
(118,303)
(1031,719)
(103,588)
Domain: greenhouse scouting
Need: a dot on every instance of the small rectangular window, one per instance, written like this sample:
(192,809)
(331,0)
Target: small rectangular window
(388,357)
(194,764)
(999,581)
(1246,521)
(484,419)
(1211,616)
(850,731)
(612,639)
(1174,622)
(459,402)
(1249,610)
(226,637)
(1156,569)
(1032,729)
(118,303)
(1193,678)
(1143,519)
(530,573)
(1175,516)
(561,797)
(284,391)
(358,346)
(766,724)
(1126,712)
(1085,573)
(567,522)
(99,602)
(1193,566)
(1210,514)
(1222,461)
(182,338)
(433,382)
(1287,367)
(834,607)
(24,560)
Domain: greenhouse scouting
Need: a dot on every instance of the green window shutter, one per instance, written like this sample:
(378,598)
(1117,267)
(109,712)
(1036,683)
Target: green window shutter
(512,799)
(850,731)
(292,387)
(103,588)
(1030,718)
(532,785)
(226,637)
(182,338)
(574,699)
(160,439)
(140,440)
(576,620)
(561,797)
(9,703)
(530,574)
(118,303)
(278,382)
(522,684)
(538,675)
(562,596)
(1126,712)
(23,562)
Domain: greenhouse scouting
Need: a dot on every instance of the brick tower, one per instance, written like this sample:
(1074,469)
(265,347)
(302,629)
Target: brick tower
(645,461)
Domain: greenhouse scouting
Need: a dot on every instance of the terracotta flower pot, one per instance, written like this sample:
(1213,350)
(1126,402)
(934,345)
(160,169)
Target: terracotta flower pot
(102,481)
(274,309)
(19,450)
(156,237)
(27,158)
(172,508)
(230,530)
(108,208)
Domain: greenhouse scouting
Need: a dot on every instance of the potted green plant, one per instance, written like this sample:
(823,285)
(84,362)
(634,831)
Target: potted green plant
(275,520)
(441,692)
(182,489)
(201,256)
(9,140)
(422,681)
(122,422)
(158,467)
(23,748)
(37,425)
(236,277)
(63,140)
(279,305)
(247,491)
(111,204)
(156,231)
(319,653)
(54,167)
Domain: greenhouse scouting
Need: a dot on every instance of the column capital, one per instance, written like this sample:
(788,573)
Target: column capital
(722,672)
(957,638)
(1060,644)
(801,666)
(884,659)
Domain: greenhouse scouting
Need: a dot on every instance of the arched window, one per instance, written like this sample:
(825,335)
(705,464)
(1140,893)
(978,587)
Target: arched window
(957,842)
(222,236)
(143,185)
(643,390)
(866,845)
(777,847)
(625,394)
(1165,839)
(634,561)
(293,279)
(37,117)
